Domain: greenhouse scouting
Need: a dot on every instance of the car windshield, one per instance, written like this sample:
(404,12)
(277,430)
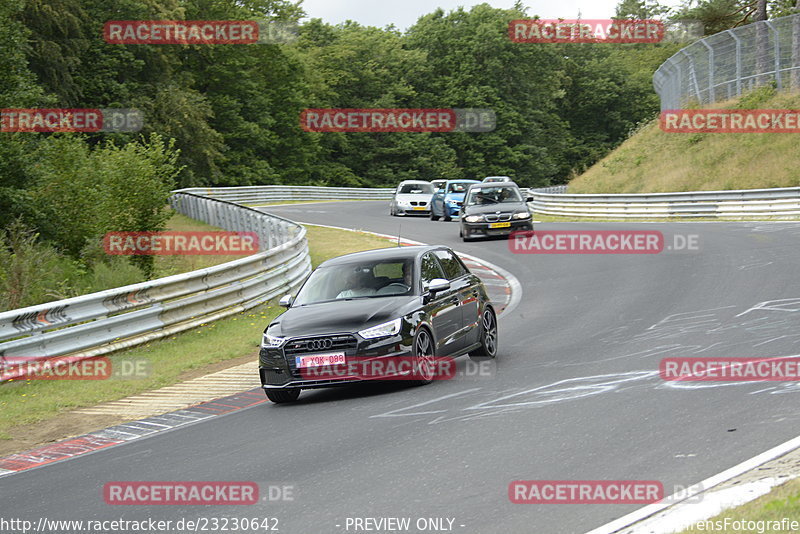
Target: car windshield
(347,281)
(407,189)
(457,188)
(493,195)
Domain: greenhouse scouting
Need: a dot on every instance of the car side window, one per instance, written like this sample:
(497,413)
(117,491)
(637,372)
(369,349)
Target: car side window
(452,266)
(430,268)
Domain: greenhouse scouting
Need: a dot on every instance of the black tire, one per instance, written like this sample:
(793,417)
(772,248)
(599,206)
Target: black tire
(446,217)
(434,217)
(489,338)
(279,396)
(424,353)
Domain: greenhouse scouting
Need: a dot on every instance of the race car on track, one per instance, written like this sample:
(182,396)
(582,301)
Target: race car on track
(412,304)
(410,197)
(494,208)
(446,201)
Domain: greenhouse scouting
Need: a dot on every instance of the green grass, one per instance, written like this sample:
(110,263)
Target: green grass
(31,401)
(169,265)
(781,502)
(26,402)
(653,161)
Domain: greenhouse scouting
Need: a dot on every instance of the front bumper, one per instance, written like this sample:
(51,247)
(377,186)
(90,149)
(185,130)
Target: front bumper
(485,229)
(414,210)
(278,370)
(453,211)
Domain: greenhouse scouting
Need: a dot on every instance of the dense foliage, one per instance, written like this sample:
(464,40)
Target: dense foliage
(229,114)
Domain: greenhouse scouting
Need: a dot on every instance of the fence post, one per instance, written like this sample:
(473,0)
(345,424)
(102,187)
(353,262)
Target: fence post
(711,96)
(777,52)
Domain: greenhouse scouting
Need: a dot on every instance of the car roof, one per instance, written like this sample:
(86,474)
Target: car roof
(492,185)
(384,254)
(414,182)
(463,181)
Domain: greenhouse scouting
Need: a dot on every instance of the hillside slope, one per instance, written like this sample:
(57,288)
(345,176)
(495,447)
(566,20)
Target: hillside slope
(653,161)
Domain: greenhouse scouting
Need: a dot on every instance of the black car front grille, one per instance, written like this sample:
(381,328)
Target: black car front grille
(503,217)
(415,203)
(321,344)
(297,347)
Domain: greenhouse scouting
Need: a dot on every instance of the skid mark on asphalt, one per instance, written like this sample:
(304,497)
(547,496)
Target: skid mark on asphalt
(549,394)
(565,390)
(726,327)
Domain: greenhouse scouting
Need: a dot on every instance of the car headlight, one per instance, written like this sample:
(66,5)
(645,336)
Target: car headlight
(268,341)
(452,202)
(473,218)
(522,215)
(382,330)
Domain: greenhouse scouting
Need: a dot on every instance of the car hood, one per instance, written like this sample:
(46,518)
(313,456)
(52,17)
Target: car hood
(408,197)
(341,316)
(458,197)
(505,207)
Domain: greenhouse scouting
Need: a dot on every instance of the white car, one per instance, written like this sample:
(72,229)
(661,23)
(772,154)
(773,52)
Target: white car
(411,196)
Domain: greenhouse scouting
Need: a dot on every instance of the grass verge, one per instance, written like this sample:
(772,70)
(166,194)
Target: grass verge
(782,502)
(653,161)
(171,360)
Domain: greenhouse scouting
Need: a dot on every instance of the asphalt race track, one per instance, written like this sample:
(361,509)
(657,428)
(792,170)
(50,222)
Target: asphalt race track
(575,395)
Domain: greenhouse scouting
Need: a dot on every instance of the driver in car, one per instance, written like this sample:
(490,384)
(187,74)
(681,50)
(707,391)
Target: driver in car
(358,283)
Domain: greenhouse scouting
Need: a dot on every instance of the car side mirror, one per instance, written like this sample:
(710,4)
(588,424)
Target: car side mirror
(286,301)
(437,285)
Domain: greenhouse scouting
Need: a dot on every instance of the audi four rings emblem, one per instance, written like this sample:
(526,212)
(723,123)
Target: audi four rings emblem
(319,344)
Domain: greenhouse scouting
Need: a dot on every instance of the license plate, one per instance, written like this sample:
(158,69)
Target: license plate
(418,208)
(500,225)
(319,360)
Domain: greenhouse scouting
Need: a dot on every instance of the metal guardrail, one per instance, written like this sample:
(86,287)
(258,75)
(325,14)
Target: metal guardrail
(724,65)
(553,189)
(99,323)
(279,193)
(741,204)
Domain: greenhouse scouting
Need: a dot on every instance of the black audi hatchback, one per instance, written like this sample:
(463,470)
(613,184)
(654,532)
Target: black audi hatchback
(412,304)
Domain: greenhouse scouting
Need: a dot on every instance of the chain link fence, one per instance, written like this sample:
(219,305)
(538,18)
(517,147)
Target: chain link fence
(726,64)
